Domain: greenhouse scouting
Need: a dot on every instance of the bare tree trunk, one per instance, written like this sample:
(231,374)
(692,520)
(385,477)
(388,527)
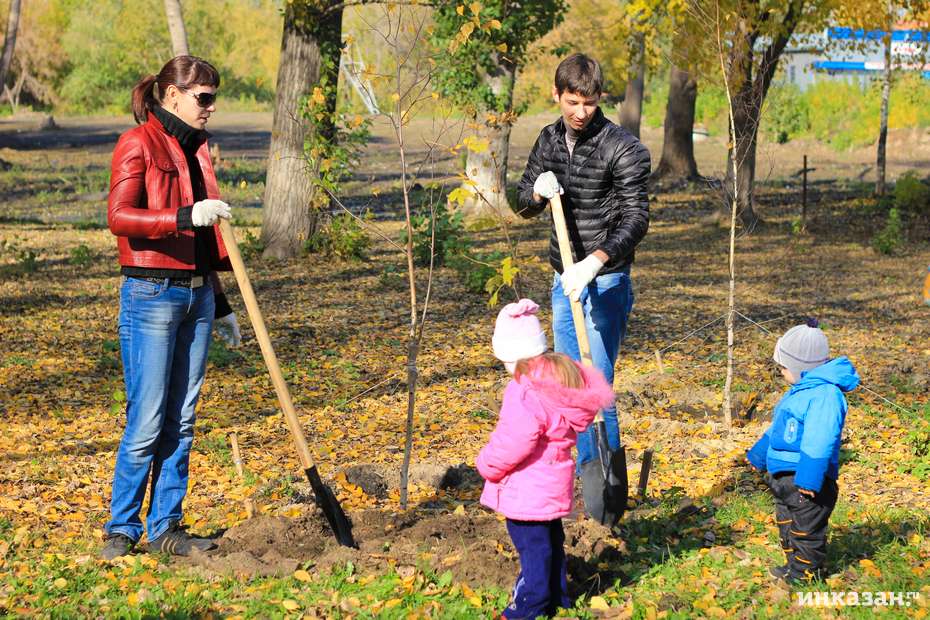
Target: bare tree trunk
(292,202)
(678,142)
(176,28)
(733,169)
(731,297)
(883,124)
(631,112)
(488,168)
(741,171)
(9,43)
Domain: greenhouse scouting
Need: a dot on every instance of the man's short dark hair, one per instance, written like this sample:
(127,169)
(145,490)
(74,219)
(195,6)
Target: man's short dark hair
(579,74)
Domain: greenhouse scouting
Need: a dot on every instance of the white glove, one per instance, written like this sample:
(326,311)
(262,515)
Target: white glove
(206,212)
(547,185)
(579,275)
(227,328)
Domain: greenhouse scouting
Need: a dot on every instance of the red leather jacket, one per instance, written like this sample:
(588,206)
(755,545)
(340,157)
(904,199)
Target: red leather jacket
(149,182)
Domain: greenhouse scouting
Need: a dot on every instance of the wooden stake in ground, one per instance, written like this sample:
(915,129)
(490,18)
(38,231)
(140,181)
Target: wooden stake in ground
(237,462)
(644,473)
(326,500)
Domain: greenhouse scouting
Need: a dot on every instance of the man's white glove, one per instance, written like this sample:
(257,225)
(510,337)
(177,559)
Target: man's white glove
(547,186)
(227,328)
(206,212)
(579,275)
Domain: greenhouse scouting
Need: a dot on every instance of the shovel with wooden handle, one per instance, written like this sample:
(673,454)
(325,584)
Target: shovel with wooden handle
(604,482)
(325,498)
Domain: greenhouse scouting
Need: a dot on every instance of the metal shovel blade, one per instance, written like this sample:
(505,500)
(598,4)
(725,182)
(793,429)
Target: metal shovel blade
(604,483)
(326,500)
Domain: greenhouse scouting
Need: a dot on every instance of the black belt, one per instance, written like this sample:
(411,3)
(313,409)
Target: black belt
(191,282)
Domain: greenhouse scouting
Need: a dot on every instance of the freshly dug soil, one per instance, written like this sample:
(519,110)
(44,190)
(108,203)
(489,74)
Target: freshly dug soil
(474,546)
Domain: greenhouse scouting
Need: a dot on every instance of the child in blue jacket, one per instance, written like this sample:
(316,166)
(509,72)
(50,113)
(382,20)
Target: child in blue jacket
(801,449)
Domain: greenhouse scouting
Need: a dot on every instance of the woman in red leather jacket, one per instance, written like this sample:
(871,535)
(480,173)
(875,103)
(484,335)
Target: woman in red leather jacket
(163,208)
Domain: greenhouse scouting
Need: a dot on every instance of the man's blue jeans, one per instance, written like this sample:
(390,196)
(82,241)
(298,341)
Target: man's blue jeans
(607,302)
(164,334)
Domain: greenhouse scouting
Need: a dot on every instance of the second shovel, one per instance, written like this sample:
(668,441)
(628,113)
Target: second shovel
(325,498)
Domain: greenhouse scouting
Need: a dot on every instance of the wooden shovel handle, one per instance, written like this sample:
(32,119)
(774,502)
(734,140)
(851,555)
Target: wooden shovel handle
(264,342)
(565,250)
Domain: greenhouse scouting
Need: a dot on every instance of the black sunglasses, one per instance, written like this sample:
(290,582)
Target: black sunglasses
(204,100)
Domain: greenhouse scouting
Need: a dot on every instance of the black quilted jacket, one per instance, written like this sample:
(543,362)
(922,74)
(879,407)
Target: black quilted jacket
(606,201)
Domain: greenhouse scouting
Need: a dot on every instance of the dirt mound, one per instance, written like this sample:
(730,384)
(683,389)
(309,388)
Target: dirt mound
(474,547)
(375,479)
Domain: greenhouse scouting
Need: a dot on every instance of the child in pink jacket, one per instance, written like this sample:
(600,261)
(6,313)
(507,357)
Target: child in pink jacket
(527,463)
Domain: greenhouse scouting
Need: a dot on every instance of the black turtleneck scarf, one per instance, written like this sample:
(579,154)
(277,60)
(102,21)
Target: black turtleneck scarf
(190,140)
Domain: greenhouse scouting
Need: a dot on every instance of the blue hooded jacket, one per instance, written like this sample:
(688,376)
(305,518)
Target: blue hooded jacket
(807,425)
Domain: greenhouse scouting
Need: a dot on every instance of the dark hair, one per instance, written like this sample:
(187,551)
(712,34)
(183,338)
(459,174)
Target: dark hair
(181,71)
(579,74)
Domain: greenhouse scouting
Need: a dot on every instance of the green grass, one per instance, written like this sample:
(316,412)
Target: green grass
(144,586)
(668,571)
(674,569)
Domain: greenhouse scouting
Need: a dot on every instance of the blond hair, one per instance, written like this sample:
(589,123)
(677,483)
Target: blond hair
(550,367)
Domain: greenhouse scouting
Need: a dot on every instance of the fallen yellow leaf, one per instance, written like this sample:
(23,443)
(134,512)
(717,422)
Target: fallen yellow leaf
(598,603)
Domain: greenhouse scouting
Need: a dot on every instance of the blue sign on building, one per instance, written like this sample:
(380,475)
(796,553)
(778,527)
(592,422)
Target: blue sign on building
(853,54)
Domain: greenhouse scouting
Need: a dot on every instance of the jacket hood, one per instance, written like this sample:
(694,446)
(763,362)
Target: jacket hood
(839,372)
(577,406)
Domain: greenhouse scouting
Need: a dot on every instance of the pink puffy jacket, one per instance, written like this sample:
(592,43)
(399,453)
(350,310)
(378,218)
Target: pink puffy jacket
(527,463)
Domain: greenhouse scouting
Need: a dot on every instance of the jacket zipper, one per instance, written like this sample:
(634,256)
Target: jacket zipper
(568,182)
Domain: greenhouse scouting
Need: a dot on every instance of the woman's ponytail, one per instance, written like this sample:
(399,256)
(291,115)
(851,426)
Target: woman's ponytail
(144,98)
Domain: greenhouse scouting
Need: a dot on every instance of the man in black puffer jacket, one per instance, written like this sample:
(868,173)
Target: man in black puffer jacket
(601,171)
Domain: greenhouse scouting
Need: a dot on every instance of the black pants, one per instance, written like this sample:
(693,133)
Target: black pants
(802,524)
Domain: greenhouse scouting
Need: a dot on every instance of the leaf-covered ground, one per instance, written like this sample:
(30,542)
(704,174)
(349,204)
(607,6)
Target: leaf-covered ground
(699,544)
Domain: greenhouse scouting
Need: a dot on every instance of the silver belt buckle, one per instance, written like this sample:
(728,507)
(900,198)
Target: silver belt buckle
(196,281)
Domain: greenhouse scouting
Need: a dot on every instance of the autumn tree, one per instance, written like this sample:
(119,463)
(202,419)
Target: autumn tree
(480,49)
(747,37)
(883,16)
(648,24)
(631,111)
(176,27)
(677,159)
(310,51)
(688,59)
(754,35)
(9,42)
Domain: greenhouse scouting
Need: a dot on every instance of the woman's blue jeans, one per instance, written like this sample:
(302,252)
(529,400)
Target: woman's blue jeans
(164,334)
(607,303)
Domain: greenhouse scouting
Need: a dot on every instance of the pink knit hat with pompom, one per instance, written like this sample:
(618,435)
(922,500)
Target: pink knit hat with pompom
(517,333)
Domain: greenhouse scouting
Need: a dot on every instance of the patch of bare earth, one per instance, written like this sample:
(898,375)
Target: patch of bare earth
(473,545)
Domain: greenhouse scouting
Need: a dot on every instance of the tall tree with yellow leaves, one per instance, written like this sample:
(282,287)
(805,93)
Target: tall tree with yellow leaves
(885,16)
(480,49)
(752,36)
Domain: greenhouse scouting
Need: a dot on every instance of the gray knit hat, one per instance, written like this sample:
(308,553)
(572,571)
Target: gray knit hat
(803,347)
